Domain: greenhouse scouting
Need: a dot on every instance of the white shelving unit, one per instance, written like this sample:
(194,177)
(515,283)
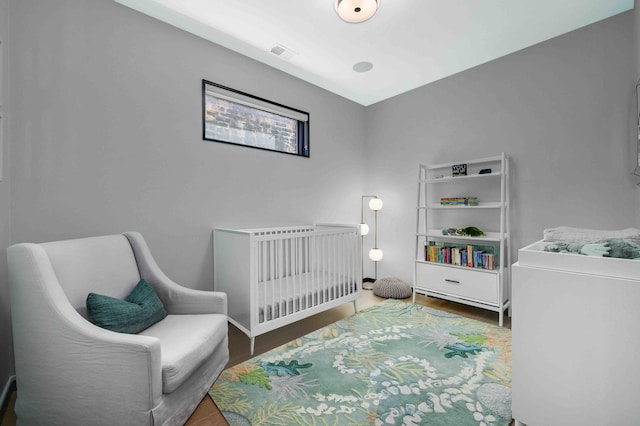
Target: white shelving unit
(484,288)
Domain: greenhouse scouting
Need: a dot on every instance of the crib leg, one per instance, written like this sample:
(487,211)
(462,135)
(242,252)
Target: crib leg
(253,344)
(355,306)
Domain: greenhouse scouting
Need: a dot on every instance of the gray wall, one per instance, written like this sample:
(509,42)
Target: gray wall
(636,34)
(6,352)
(636,113)
(107,137)
(560,110)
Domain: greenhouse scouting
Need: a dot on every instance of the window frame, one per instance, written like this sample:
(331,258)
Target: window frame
(257,103)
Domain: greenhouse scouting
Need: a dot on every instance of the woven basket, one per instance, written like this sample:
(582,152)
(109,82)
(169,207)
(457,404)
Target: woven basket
(392,288)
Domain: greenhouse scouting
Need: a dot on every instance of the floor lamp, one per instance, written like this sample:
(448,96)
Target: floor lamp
(375,253)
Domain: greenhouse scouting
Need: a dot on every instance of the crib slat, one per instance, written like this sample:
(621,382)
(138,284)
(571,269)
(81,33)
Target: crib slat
(267,276)
(339,277)
(259,278)
(343,266)
(278,301)
(317,260)
(329,240)
(297,282)
(300,272)
(323,267)
(332,266)
(328,256)
(262,261)
(284,295)
(292,280)
(272,263)
(338,262)
(309,272)
(342,270)
(294,275)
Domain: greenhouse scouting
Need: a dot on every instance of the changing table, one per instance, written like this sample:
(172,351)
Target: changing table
(576,339)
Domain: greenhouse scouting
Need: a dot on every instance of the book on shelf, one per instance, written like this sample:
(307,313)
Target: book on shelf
(459,201)
(470,256)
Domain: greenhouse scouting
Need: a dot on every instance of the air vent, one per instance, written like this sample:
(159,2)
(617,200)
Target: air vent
(278,50)
(282,52)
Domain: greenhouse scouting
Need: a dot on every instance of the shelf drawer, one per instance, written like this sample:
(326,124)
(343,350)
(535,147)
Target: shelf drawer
(470,284)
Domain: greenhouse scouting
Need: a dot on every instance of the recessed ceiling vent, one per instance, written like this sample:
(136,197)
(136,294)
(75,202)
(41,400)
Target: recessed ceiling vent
(282,52)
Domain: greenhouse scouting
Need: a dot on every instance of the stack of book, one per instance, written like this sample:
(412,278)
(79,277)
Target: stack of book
(469,256)
(459,201)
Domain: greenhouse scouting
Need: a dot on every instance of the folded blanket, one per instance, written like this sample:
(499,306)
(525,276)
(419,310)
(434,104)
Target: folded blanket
(623,249)
(580,235)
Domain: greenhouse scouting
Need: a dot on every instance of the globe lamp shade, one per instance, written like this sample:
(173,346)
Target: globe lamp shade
(375,204)
(375,254)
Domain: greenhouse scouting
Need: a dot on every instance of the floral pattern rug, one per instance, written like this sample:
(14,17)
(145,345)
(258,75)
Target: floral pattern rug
(395,363)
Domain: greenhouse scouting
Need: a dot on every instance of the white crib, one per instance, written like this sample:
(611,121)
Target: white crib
(276,276)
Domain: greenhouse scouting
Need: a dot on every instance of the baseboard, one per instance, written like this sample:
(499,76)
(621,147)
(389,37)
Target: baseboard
(9,388)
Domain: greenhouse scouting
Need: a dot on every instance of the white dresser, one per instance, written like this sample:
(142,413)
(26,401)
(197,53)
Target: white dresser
(576,339)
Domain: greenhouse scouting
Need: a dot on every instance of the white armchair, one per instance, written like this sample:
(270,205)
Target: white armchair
(71,372)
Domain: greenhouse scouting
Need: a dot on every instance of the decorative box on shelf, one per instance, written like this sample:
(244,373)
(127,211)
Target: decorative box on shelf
(459,170)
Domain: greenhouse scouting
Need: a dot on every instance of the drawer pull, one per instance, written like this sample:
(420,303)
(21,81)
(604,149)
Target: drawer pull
(452,281)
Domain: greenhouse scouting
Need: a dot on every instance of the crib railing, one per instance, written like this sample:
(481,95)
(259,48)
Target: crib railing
(297,268)
(275,276)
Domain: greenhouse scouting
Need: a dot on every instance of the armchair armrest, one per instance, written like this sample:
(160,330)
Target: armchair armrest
(176,298)
(189,301)
(129,365)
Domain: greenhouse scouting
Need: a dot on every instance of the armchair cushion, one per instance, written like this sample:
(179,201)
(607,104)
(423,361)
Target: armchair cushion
(141,309)
(186,342)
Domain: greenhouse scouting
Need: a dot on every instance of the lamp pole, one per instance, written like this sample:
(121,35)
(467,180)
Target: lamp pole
(375,254)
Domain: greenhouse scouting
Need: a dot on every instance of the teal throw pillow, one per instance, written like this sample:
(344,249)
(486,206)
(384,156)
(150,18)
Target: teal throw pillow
(139,311)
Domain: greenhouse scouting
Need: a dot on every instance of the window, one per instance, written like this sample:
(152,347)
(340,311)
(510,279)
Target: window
(235,117)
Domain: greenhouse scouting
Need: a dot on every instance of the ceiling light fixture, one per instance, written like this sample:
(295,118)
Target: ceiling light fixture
(356,10)
(363,66)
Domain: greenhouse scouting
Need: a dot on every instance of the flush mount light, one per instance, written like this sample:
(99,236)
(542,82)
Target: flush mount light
(356,10)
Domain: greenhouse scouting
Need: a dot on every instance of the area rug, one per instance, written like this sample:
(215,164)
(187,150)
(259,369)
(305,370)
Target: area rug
(395,363)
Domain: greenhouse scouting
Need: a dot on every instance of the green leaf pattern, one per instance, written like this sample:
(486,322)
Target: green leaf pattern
(257,377)
(395,363)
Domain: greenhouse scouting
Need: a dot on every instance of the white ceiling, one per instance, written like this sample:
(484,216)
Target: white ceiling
(409,42)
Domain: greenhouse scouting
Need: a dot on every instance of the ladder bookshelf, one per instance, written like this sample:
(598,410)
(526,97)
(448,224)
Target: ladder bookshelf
(468,269)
